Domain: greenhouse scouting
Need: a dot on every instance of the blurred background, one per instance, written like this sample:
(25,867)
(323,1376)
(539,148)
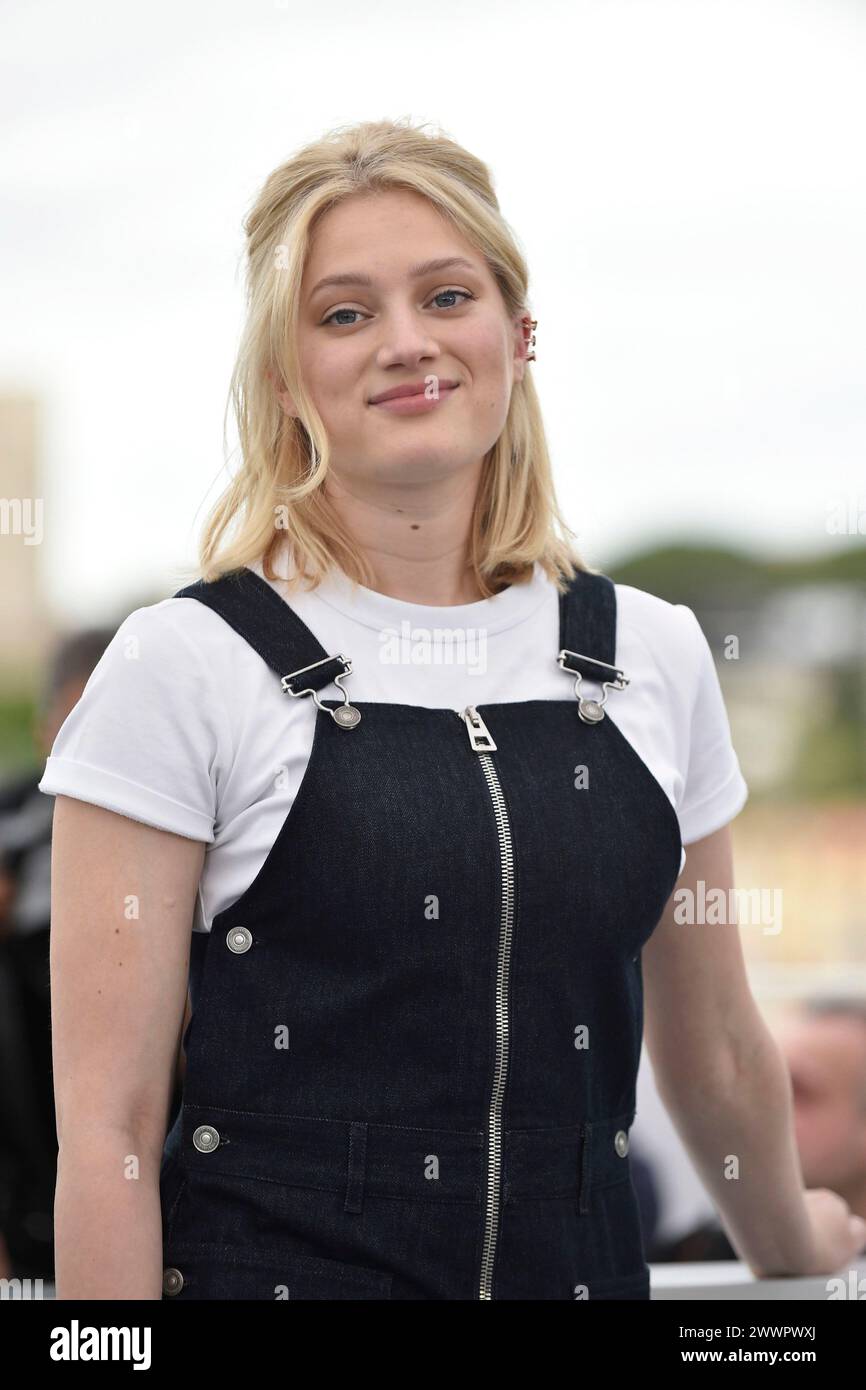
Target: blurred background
(687,181)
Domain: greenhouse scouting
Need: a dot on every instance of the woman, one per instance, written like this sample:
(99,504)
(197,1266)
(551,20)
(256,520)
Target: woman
(432,895)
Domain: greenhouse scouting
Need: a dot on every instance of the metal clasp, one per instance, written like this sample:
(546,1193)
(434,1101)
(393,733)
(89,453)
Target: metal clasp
(345,715)
(480,736)
(592,711)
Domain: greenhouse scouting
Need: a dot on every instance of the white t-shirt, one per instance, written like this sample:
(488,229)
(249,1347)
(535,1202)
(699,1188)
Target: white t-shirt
(183,726)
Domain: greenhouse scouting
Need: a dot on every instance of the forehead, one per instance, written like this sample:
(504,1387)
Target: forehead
(352,236)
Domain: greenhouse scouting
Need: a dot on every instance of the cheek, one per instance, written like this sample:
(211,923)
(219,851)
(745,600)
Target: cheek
(327,368)
(489,349)
(488,357)
(331,380)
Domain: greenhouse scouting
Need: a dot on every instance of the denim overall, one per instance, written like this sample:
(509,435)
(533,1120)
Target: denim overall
(414,1039)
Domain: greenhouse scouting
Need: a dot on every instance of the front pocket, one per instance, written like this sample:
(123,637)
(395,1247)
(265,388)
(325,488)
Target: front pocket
(203,1271)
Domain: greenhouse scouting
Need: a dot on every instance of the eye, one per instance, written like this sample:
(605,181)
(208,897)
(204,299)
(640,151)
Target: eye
(334,314)
(465,294)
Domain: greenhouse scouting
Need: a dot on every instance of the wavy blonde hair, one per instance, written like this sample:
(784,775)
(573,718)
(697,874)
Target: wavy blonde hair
(277,497)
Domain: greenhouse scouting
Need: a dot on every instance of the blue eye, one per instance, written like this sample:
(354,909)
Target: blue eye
(341,311)
(466,295)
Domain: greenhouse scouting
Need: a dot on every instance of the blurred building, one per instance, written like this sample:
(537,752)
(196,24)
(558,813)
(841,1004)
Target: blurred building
(26,625)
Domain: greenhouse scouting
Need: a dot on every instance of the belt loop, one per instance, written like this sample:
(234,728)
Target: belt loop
(585,1167)
(357,1166)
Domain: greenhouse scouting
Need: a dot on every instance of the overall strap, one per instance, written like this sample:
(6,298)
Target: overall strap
(587,639)
(273,629)
(246,601)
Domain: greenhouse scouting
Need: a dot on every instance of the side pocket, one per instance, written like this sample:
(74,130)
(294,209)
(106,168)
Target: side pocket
(172,1185)
(614,1264)
(622,1219)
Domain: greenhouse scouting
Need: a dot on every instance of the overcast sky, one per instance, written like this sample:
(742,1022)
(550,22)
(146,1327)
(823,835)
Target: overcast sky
(686,180)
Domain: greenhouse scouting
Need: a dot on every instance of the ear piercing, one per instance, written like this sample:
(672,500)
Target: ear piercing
(529,327)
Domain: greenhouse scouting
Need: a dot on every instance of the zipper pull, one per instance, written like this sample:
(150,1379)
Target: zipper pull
(479,734)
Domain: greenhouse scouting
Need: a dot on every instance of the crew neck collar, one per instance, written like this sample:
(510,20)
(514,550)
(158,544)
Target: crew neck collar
(375,610)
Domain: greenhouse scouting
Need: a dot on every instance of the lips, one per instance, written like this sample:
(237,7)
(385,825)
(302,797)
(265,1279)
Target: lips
(414,388)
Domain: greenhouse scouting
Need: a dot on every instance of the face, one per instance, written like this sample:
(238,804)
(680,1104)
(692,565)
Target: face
(395,325)
(827,1062)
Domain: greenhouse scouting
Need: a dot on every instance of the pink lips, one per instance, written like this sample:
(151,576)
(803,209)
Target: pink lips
(419,404)
(412,388)
(412,400)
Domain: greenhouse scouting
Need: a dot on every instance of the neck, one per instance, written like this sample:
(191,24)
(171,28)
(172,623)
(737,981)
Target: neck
(416,541)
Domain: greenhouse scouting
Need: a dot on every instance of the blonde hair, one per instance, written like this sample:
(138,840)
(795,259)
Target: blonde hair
(277,495)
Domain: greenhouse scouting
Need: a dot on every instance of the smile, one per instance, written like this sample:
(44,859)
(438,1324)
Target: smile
(419,404)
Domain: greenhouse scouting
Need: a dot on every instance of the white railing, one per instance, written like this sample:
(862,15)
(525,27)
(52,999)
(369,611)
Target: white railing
(716,1279)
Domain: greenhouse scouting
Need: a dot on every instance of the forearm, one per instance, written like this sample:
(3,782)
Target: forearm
(737,1126)
(107,1220)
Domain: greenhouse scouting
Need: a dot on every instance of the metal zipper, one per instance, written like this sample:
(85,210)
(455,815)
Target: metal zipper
(482,743)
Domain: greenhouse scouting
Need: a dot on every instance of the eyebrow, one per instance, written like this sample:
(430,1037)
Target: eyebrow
(351,277)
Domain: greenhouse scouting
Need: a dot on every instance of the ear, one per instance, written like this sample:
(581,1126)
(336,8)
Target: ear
(287,404)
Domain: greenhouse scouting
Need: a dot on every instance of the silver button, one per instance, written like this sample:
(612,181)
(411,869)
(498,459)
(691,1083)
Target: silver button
(172,1281)
(238,939)
(206,1139)
(347,716)
(620,1142)
(590,711)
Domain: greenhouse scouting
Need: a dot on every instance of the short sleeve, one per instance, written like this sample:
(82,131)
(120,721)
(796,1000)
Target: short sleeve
(715,790)
(148,736)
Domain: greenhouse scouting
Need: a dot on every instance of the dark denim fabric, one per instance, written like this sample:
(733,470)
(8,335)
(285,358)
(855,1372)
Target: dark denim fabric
(341,1066)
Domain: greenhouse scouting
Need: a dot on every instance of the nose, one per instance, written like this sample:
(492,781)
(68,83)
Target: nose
(404,340)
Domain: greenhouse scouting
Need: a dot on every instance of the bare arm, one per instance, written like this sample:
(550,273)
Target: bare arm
(123,895)
(725,1084)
